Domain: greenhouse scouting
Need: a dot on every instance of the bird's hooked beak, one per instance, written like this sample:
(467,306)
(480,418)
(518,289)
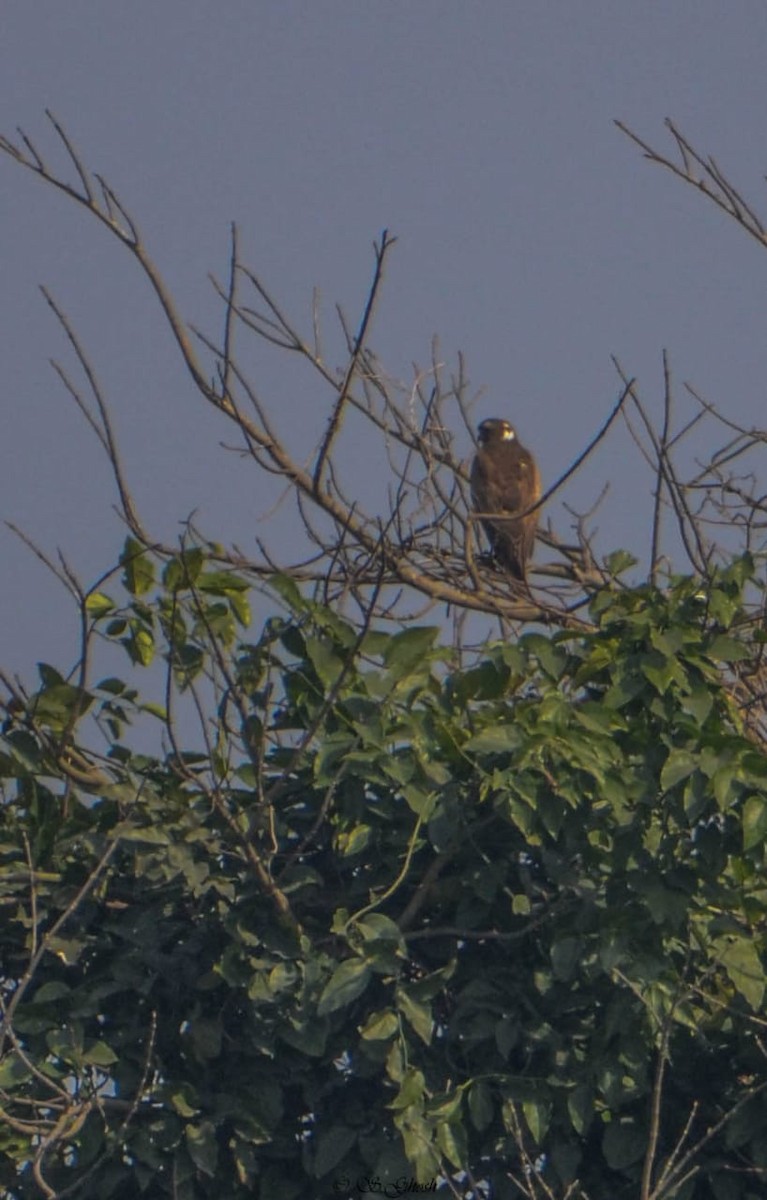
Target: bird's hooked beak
(495,428)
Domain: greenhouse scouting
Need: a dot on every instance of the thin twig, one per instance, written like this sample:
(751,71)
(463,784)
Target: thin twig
(381,250)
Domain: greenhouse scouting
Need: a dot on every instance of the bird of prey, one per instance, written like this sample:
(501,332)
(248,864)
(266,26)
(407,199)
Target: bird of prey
(505,480)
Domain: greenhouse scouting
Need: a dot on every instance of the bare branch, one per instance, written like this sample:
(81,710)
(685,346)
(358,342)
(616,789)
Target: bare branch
(705,175)
(334,423)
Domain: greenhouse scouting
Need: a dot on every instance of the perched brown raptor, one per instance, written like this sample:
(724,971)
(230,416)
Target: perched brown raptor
(505,480)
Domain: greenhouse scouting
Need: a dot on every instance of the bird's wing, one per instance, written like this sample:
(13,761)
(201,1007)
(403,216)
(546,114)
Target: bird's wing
(506,482)
(500,483)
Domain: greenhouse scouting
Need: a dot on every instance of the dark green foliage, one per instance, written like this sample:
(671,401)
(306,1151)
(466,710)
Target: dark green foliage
(391,918)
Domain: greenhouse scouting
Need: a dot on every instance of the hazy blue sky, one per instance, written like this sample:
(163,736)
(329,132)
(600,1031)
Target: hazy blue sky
(532,236)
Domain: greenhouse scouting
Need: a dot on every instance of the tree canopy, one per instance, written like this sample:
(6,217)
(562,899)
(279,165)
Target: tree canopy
(500,926)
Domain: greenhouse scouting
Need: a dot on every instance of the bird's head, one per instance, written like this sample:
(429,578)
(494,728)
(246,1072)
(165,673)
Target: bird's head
(495,429)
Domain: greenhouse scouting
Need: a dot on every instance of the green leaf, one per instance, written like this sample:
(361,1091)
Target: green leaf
(183,570)
(353,841)
(411,1090)
(98,604)
(451,1139)
(150,834)
(185,1101)
(49,676)
(100,1055)
(580,1107)
(202,1146)
(496,739)
(565,957)
(698,703)
(287,589)
(742,962)
(566,1160)
(347,982)
(308,1036)
(24,750)
(378,927)
(324,659)
(115,687)
(332,1145)
(13,1071)
(485,682)
(417,1014)
(206,1037)
(551,657)
(661,672)
(140,645)
(138,569)
(481,1107)
(240,606)
(623,1144)
(55,990)
(668,642)
(678,765)
(61,704)
(408,648)
(282,978)
(754,821)
(380,1026)
(537,1115)
(67,950)
(627,686)
(596,718)
(444,1105)
(506,1034)
(222,583)
(725,782)
(726,649)
(618,562)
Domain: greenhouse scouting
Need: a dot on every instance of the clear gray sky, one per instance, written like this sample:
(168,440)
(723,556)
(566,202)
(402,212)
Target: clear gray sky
(532,236)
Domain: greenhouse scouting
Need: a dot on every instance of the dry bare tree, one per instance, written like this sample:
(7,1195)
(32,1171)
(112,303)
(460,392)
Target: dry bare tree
(425,543)
(423,549)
